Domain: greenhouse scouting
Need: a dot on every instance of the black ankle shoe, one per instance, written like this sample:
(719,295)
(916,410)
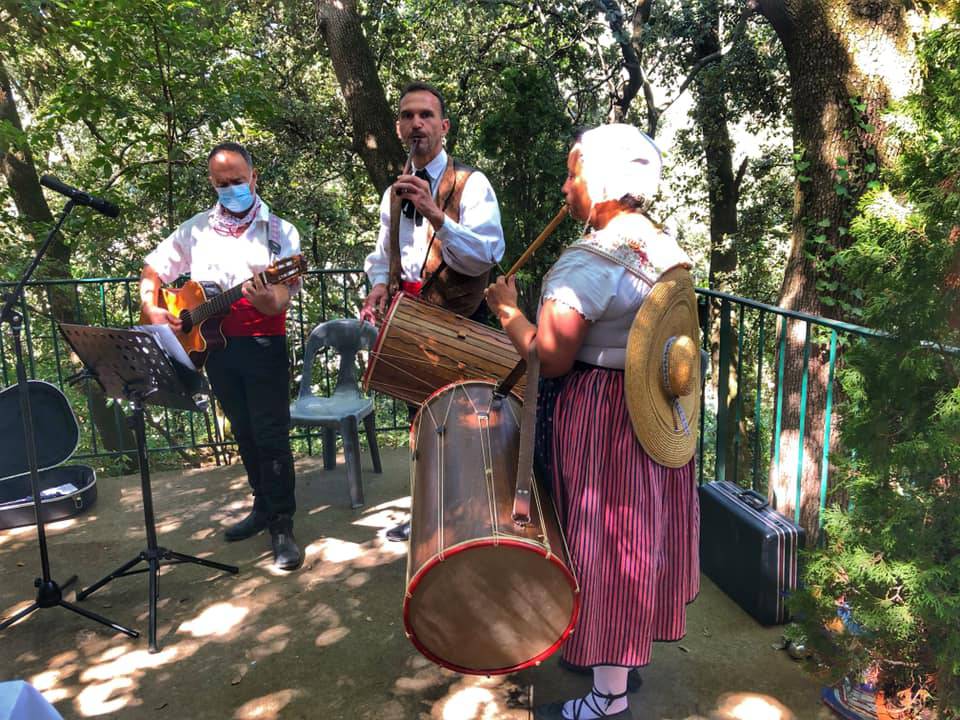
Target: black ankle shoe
(634,681)
(248,527)
(286,554)
(399,533)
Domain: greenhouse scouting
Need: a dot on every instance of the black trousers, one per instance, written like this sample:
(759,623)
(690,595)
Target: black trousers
(251,381)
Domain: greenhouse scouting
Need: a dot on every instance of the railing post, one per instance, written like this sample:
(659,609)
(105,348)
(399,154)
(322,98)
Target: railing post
(825,460)
(782,353)
(756,411)
(739,401)
(723,391)
(803,420)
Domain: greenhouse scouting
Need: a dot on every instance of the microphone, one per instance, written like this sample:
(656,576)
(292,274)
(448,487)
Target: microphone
(80,197)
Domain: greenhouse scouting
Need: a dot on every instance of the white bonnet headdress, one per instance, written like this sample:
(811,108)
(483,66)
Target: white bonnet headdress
(619,160)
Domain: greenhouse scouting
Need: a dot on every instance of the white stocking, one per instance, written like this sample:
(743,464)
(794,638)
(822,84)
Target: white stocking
(607,680)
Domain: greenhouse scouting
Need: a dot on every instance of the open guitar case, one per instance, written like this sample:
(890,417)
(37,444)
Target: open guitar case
(65,490)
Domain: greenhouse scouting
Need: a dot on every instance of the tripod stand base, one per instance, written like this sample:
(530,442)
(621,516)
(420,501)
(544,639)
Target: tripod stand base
(155,558)
(49,594)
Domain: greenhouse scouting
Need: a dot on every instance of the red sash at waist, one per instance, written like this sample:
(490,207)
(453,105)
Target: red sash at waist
(244,320)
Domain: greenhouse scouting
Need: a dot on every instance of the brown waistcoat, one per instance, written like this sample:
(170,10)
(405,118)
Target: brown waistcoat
(442,285)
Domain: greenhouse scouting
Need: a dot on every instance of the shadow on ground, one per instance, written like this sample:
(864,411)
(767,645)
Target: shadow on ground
(326,641)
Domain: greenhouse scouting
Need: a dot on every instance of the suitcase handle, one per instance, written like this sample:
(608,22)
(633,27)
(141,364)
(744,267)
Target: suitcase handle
(753,499)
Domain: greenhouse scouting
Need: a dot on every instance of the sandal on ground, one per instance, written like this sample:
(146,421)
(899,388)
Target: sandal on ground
(595,702)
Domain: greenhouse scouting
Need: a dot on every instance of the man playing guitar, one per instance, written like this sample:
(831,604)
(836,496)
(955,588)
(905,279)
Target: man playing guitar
(221,248)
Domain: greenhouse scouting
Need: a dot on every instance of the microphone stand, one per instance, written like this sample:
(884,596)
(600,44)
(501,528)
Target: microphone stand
(49,593)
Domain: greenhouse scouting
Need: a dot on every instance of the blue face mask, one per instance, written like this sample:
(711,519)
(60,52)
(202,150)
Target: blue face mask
(236,198)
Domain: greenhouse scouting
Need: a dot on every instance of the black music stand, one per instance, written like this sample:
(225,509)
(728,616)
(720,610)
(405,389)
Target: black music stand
(131,365)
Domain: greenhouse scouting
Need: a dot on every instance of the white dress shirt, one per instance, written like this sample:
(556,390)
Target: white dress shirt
(471,246)
(196,248)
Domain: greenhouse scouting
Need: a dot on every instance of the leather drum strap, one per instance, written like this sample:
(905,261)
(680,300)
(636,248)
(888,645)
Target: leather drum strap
(396,271)
(528,428)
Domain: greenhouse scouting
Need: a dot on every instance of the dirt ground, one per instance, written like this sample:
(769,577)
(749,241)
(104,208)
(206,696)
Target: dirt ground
(326,641)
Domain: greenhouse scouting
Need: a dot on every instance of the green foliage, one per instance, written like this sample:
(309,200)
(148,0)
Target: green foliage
(526,139)
(893,555)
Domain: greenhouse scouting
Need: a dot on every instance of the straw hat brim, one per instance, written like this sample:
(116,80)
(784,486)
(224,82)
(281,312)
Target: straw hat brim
(669,310)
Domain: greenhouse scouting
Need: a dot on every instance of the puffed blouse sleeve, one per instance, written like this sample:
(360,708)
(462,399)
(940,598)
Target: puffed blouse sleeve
(583,281)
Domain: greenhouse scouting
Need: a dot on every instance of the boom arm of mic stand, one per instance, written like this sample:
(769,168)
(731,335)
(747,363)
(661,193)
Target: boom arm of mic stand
(7,313)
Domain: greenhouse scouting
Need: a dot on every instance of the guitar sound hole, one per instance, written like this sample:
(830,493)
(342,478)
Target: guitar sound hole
(187,322)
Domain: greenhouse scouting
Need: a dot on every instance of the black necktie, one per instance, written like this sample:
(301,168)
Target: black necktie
(408,208)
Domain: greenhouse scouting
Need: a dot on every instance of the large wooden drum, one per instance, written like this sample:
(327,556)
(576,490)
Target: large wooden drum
(484,595)
(422,347)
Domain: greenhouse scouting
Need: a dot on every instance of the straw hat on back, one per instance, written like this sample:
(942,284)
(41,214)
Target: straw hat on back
(662,374)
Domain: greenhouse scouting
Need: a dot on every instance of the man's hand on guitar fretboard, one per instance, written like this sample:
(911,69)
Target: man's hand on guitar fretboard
(268,299)
(159,316)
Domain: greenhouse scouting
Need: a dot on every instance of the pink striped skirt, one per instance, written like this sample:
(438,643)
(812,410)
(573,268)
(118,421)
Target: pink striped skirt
(633,525)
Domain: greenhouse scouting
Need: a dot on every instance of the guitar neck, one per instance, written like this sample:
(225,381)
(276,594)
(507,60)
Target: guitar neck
(220,304)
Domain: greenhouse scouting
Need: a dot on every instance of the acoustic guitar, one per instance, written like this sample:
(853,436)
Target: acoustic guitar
(202,317)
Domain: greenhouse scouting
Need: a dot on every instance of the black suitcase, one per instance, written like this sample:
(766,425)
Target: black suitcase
(749,550)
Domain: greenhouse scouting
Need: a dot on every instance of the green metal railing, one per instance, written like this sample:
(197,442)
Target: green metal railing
(114,302)
(747,337)
(757,316)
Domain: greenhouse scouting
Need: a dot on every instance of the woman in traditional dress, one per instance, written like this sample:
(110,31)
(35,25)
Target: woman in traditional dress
(632,524)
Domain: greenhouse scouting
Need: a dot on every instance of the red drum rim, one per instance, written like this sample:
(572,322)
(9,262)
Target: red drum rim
(510,542)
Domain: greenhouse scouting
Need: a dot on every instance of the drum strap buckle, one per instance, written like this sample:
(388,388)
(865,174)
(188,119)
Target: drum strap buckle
(528,424)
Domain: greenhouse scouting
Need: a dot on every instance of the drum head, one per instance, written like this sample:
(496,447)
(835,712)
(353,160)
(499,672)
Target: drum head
(488,609)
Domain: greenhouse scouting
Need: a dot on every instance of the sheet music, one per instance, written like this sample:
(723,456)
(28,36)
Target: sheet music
(168,342)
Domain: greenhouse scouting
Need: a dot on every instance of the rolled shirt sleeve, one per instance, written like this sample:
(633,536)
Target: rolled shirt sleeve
(171,258)
(475,244)
(377,264)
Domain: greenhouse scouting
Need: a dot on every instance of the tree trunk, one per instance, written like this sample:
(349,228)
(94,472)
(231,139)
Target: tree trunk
(374,122)
(711,115)
(18,168)
(847,60)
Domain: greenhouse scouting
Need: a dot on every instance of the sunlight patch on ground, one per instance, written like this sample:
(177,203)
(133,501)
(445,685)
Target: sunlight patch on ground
(105,698)
(130,497)
(64,524)
(333,550)
(13,610)
(168,526)
(331,636)
(217,621)
(752,706)
(480,698)
(385,518)
(266,707)
(29,532)
(380,552)
(467,703)
(318,509)
(204,534)
(118,662)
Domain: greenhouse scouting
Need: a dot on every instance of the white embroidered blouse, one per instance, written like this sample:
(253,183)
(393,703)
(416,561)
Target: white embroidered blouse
(605,277)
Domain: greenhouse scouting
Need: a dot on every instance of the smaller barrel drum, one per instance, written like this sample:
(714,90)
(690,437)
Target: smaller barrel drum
(484,595)
(423,347)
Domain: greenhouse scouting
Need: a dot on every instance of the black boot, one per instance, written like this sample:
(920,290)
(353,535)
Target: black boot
(286,554)
(248,527)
